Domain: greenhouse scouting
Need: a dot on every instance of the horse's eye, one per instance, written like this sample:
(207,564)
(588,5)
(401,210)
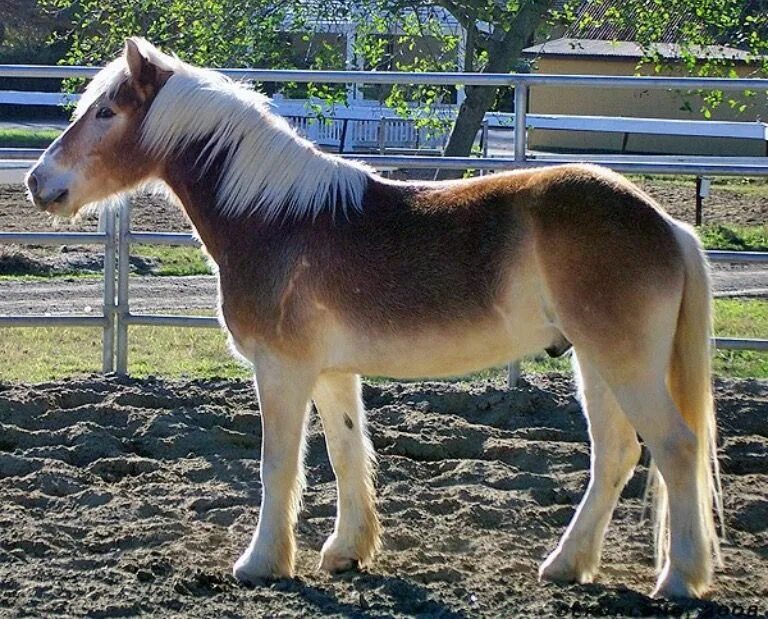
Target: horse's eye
(104,112)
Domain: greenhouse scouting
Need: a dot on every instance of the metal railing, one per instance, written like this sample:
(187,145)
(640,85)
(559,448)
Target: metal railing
(107,319)
(117,317)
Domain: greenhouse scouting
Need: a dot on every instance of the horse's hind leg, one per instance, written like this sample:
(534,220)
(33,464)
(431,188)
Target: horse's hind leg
(687,568)
(355,537)
(615,452)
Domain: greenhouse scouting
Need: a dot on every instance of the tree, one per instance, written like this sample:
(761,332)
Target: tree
(209,32)
(23,25)
(491,33)
(498,30)
(513,27)
(20,18)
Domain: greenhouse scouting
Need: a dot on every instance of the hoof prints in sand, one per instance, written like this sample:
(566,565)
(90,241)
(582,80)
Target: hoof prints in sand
(122,497)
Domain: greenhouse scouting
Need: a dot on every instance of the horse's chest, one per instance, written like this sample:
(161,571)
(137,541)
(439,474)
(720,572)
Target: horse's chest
(264,309)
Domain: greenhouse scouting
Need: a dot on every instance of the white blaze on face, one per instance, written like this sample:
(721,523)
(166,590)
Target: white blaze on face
(48,182)
(63,179)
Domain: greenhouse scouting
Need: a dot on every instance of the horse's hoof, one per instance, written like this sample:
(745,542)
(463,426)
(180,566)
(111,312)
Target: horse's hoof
(335,564)
(339,555)
(251,570)
(674,585)
(559,568)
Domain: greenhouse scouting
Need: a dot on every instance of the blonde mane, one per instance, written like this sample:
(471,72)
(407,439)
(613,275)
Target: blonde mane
(268,168)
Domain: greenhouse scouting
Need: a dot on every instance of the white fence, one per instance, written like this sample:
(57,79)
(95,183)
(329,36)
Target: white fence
(117,317)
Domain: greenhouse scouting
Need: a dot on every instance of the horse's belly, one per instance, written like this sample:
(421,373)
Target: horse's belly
(448,350)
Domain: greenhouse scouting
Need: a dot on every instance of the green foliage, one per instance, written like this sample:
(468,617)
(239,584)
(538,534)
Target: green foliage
(735,238)
(415,36)
(405,40)
(232,33)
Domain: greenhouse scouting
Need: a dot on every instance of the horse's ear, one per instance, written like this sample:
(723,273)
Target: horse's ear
(138,62)
(145,67)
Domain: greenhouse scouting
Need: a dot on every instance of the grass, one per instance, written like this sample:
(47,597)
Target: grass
(43,353)
(182,352)
(35,354)
(13,137)
(174,260)
(736,238)
(67,276)
(741,318)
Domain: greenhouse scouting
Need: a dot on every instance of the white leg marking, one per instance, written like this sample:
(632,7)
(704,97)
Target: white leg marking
(615,452)
(284,392)
(355,537)
(687,571)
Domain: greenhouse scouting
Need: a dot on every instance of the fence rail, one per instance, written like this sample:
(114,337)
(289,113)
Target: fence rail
(447,78)
(756,166)
(107,319)
(118,237)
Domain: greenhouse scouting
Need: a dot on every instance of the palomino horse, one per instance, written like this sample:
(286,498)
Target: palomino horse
(327,271)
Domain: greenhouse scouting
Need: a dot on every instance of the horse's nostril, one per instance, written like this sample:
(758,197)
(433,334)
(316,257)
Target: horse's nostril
(60,196)
(32,184)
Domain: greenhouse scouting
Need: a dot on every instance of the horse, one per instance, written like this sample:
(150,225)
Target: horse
(327,271)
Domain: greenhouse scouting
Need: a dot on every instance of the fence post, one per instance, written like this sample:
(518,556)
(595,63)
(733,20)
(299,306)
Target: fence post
(484,135)
(513,374)
(123,271)
(107,226)
(521,109)
(521,140)
(702,191)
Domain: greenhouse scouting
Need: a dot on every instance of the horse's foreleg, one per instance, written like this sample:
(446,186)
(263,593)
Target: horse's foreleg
(355,537)
(284,392)
(615,452)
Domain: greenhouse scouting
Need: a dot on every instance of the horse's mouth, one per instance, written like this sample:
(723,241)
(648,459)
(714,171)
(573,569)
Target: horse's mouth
(53,204)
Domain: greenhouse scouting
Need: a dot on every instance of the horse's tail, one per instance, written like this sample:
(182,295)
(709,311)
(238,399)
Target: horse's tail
(690,385)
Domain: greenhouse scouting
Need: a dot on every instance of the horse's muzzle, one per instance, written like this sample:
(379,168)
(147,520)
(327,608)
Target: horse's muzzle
(44,197)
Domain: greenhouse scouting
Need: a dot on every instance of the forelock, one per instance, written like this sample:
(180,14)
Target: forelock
(107,82)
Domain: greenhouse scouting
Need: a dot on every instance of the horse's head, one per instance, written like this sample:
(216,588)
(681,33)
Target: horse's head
(100,155)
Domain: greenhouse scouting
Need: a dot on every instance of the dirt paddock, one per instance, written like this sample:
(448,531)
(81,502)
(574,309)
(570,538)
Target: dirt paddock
(121,497)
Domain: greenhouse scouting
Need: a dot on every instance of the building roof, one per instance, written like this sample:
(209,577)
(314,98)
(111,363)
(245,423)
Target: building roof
(629,49)
(594,22)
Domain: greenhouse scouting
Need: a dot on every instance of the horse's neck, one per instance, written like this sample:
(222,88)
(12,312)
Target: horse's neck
(255,257)
(198,196)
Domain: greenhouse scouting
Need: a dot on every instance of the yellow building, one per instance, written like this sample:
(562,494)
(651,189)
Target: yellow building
(600,57)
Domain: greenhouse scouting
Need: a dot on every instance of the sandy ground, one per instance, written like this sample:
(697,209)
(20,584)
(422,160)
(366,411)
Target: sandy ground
(122,497)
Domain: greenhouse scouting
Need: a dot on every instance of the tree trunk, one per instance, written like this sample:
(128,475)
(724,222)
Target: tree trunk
(503,53)
(477,102)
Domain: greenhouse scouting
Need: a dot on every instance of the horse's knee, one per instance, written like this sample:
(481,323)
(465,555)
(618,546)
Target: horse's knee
(676,455)
(629,454)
